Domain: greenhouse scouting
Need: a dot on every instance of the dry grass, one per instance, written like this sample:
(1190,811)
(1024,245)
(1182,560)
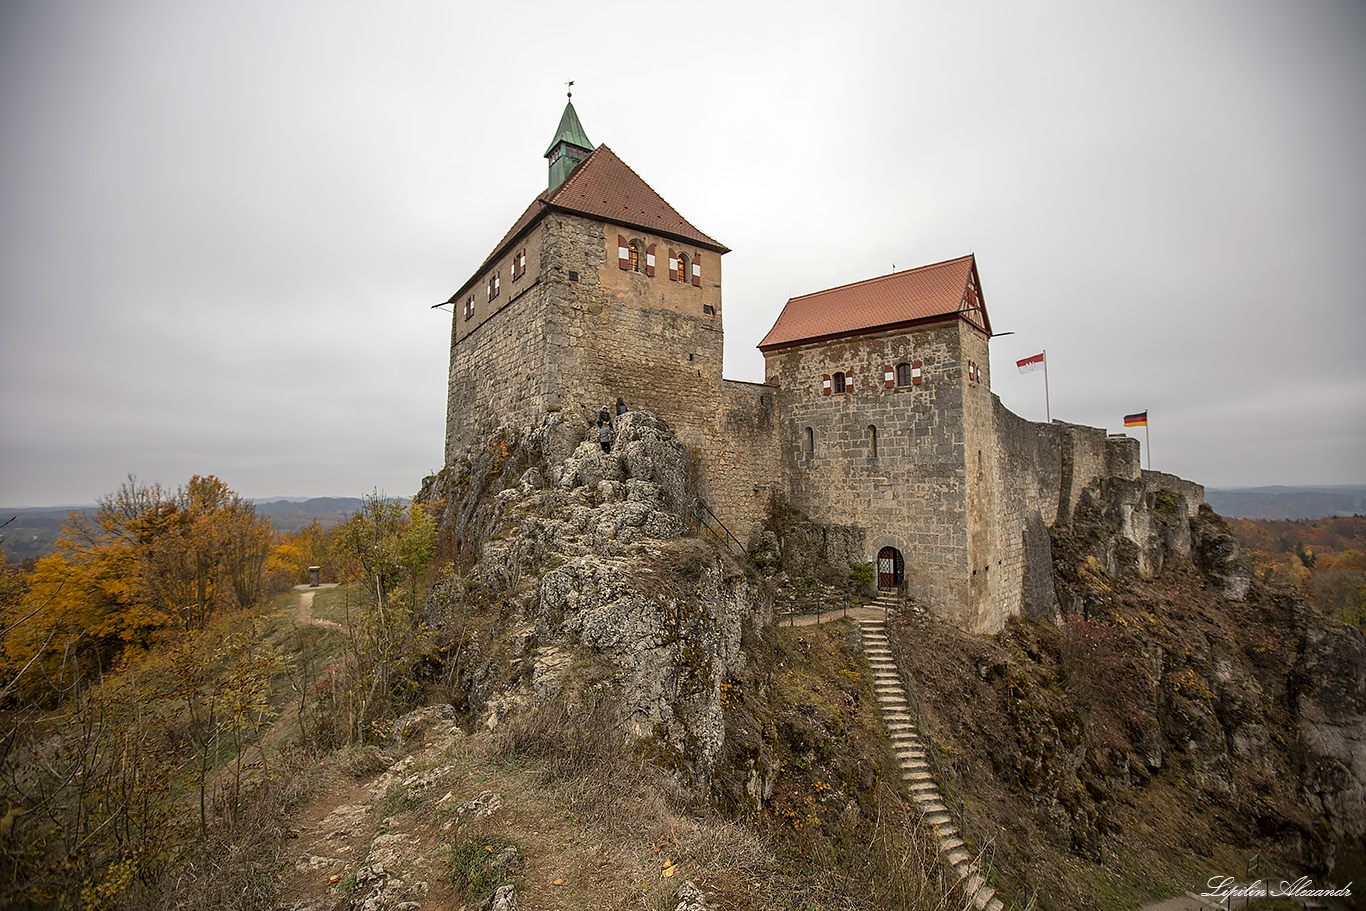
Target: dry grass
(234,867)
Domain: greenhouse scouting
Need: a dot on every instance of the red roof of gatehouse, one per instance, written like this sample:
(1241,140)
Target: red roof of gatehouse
(946,290)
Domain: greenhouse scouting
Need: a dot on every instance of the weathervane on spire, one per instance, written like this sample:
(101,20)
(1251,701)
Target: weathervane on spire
(570,92)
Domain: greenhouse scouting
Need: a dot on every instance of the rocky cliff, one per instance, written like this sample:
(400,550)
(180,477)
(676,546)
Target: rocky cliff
(585,554)
(1169,714)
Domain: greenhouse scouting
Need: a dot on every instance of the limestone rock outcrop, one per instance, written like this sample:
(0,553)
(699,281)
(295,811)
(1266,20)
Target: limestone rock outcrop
(587,551)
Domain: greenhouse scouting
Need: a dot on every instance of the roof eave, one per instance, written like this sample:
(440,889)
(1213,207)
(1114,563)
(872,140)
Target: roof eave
(503,248)
(714,246)
(868,330)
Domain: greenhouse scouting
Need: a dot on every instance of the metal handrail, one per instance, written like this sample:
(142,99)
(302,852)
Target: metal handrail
(704,519)
(841,604)
(993,865)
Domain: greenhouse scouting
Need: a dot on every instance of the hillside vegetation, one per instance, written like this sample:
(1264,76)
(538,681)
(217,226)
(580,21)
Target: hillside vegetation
(533,680)
(1323,559)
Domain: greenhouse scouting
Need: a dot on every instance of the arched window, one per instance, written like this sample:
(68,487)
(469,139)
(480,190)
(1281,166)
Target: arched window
(809,441)
(683,272)
(872,441)
(634,256)
(839,382)
(903,374)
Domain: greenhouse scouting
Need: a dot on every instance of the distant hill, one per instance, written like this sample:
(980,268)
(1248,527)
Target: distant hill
(292,514)
(1288,502)
(33,531)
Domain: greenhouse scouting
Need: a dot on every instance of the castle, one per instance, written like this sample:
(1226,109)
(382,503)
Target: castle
(876,412)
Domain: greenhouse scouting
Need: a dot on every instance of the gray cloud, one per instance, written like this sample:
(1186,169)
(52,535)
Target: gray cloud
(222,227)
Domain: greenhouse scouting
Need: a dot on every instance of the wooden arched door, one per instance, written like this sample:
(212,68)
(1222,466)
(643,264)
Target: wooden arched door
(890,569)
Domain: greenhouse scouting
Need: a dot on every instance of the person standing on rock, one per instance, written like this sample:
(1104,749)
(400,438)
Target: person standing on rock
(605,435)
(605,416)
(621,406)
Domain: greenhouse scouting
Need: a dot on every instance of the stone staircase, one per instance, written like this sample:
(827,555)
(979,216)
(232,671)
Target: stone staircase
(915,770)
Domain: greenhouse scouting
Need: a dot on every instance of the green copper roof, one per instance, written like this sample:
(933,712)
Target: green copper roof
(570,131)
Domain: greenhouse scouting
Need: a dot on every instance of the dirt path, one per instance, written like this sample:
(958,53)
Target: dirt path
(305,614)
(249,763)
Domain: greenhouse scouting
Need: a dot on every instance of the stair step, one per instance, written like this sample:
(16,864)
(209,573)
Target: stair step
(983,897)
(951,844)
(938,819)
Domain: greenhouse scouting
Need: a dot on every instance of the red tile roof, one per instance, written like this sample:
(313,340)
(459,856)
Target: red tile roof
(941,290)
(604,187)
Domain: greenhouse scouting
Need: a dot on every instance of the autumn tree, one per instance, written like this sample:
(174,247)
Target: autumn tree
(148,559)
(387,546)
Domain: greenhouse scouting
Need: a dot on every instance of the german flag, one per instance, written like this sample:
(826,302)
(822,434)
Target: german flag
(1136,420)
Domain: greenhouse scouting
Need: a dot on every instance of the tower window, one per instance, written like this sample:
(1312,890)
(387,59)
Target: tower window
(903,374)
(633,256)
(872,441)
(839,382)
(683,267)
(808,441)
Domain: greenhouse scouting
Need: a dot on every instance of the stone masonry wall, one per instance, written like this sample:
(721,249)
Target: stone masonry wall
(1028,484)
(605,345)
(512,282)
(987,606)
(741,462)
(909,490)
(498,365)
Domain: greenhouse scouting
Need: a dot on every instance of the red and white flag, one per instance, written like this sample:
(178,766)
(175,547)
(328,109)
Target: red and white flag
(1030,364)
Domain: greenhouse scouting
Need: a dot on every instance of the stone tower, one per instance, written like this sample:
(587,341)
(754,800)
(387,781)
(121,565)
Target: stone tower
(599,290)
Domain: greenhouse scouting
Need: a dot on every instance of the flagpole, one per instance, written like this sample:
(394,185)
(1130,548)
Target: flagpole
(1148,443)
(1048,412)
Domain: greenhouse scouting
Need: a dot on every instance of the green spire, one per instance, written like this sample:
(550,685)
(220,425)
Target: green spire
(570,146)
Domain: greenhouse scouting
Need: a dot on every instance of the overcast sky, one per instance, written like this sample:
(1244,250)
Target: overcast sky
(223,225)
